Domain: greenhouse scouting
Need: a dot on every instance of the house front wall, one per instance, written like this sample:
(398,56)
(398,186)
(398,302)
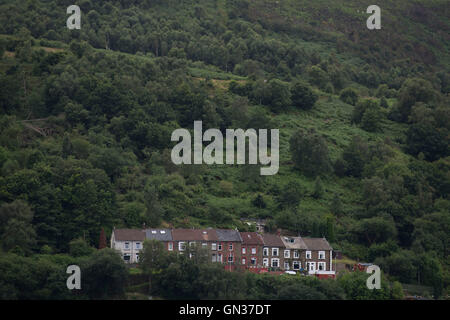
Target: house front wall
(319,264)
(252,251)
(269,255)
(293,262)
(129,250)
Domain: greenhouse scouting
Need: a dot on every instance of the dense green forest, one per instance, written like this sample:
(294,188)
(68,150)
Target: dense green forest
(86,118)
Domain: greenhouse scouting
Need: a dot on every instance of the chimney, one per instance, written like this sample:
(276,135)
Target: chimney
(278,231)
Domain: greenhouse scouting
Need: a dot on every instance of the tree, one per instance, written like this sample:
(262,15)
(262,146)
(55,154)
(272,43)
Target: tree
(349,96)
(290,195)
(356,155)
(336,205)
(104,275)
(412,91)
(375,230)
(309,152)
(371,120)
(302,96)
(16,227)
(318,188)
(80,248)
(102,240)
(153,259)
(259,202)
(280,95)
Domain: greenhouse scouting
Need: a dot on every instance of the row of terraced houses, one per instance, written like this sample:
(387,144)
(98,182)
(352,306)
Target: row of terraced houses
(257,252)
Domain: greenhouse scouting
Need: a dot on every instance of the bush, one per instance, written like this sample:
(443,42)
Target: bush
(349,96)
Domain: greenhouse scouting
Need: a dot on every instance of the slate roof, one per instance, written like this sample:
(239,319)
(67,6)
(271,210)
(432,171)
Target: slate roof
(293,242)
(159,234)
(129,235)
(317,244)
(228,235)
(272,240)
(194,235)
(252,238)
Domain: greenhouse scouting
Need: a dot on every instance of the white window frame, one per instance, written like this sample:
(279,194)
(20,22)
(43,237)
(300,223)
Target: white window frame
(126,246)
(219,257)
(265,262)
(308,255)
(204,245)
(322,255)
(324,264)
(181,246)
(255,261)
(275,260)
(230,247)
(311,266)
(287,254)
(170,246)
(243,261)
(299,265)
(296,254)
(137,245)
(232,258)
(273,252)
(253,250)
(265,252)
(213,246)
(219,247)
(243,250)
(286,265)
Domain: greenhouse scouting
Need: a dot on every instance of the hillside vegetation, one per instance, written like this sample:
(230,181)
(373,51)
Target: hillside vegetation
(86,118)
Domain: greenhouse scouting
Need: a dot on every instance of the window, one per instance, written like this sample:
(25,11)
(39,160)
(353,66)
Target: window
(153,231)
(243,250)
(137,257)
(253,250)
(170,246)
(322,266)
(311,266)
(266,252)
(286,266)
(126,257)
(296,255)
(127,245)
(219,257)
(191,244)
(219,247)
(181,246)
(243,261)
(287,253)
(253,261)
(308,254)
(138,245)
(275,263)
(230,258)
(230,246)
(265,262)
(204,245)
(296,265)
(214,246)
(322,255)
(275,252)
(214,257)
(162,231)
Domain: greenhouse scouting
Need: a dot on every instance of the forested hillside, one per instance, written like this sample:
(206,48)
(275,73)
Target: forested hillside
(86,118)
